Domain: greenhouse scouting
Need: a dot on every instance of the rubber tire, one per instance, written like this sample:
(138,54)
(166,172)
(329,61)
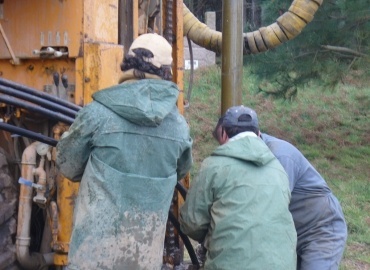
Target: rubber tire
(8,215)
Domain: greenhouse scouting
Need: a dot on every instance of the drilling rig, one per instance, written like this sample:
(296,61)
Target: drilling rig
(54,54)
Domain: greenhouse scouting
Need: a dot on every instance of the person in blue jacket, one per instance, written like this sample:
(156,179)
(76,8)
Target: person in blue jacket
(317,214)
(128,148)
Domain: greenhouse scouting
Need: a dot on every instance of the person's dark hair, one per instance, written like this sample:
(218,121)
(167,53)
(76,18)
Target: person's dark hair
(218,126)
(233,131)
(230,131)
(141,66)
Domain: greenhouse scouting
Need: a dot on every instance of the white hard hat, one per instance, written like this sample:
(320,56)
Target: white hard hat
(158,45)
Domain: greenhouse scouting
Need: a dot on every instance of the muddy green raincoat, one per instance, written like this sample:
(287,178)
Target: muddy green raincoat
(238,205)
(128,147)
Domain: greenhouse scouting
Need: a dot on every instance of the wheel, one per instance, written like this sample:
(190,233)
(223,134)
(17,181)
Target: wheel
(8,208)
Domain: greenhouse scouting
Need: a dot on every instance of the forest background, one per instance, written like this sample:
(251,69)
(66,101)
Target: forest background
(313,91)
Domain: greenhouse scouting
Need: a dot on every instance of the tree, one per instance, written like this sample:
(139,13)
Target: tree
(252,15)
(200,7)
(336,41)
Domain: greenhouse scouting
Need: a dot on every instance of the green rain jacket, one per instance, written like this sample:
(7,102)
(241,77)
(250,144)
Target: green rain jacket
(128,147)
(238,205)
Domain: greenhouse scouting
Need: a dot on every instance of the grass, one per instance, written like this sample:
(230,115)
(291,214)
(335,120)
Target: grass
(331,128)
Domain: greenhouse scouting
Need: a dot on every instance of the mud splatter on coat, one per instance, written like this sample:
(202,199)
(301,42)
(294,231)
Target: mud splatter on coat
(128,148)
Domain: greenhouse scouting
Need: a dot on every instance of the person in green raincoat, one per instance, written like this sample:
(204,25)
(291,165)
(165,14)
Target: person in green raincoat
(128,147)
(238,205)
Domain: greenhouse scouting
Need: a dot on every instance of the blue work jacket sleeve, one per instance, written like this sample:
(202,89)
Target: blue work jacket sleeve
(74,149)
(291,168)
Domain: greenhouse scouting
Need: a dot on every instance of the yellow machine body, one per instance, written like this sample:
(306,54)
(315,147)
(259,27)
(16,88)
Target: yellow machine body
(86,31)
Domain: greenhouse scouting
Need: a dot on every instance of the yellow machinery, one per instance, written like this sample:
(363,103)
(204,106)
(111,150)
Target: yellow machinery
(68,50)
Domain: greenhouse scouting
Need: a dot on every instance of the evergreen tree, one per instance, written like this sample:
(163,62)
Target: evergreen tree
(336,41)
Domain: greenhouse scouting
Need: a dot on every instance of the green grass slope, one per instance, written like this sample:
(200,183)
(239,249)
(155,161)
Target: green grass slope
(330,126)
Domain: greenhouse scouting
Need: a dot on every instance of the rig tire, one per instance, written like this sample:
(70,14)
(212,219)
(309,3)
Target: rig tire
(8,223)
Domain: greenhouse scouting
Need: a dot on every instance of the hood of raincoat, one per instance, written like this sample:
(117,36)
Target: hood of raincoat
(251,149)
(142,102)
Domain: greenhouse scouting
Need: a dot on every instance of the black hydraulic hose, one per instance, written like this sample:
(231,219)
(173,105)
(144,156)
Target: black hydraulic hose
(29,134)
(185,239)
(37,100)
(37,109)
(191,77)
(183,191)
(40,94)
(180,188)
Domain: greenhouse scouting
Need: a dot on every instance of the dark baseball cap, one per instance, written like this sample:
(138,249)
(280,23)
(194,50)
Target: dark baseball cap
(240,116)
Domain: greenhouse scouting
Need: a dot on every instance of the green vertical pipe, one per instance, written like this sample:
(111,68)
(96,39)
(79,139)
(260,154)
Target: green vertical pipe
(232,53)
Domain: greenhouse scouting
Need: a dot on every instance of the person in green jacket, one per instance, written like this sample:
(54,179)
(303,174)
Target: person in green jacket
(128,147)
(317,213)
(238,205)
